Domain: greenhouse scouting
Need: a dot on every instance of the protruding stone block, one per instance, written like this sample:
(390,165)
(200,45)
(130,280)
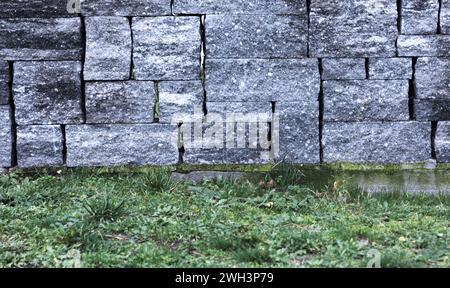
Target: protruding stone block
(432,110)
(5,137)
(377,142)
(423,45)
(443,142)
(256,36)
(112,145)
(262,80)
(390,68)
(120,102)
(419,16)
(343,68)
(366,100)
(166,48)
(108,48)
(39,146)
(40,39)
(357,28)
(432,78)
(125,7)
(47,92)
(180,101)
(34,9)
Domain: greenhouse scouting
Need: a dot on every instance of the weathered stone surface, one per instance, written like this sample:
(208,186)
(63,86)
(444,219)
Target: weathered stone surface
(432,109)
(295,138)
(262,80)
(256,36)
(166,48)
(4,93)
(390,68)
(120,102)
(108,48)
(343,68)
(443,142)
(4,71)
(432,78)
(125,7)
(111,145)
(39,146)
(180,101)
(5,137)
(445,17)
(377,142)
(358,28)
(366,100)
(248,112)
(34,9)
(40,39)
(47,92)
(423,45)
(419,16)
(281,7)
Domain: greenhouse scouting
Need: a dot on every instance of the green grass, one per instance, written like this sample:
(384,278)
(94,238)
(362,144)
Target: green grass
(71,219)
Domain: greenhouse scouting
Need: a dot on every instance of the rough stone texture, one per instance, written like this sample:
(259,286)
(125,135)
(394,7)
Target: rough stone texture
(343,68)
(423,45)
(47,92)
(256,36)
(357,28)
(125,7)
(108,48)
(5,137)
(366,100)
(111,145)
(377,142)
(4,93)
(4,71)
(445,17)
(34,8)
(432,109)
(262,80)
(297,138)
(39,146)
(419,16)
(432,78)
(248,112)
(390,68)
(166,48)
(443,142)
(120,102)
(180,101)
(40,39)
(281,7)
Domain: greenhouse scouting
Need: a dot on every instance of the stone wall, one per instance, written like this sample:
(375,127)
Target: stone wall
(364,81)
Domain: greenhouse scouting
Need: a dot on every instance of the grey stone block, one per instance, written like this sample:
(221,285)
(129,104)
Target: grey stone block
(423,45)
(442,142)
(39,146)
(432,110)
(5,137)
(432,78)
(4,93)
(125,7)
(120,102)
(377,142)
(390,68)
(112,145)
(295,138)
(366,100)
(248,112)
(281,7)
(445,17)
(4,71)
(358,28)
(166,48)
(256,36)
(343,68)
(108,48)
(47,92)
(40,39)
(34,9)
(262,80)
(419,16)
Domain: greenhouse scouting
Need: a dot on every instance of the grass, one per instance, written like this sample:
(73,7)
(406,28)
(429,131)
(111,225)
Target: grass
(70,219)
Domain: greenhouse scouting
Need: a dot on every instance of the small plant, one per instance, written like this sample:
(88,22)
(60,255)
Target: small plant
(104,209)
(160,181)
(283,174)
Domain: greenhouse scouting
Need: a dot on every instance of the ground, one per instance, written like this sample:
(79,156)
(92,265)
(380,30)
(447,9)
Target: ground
(97,219)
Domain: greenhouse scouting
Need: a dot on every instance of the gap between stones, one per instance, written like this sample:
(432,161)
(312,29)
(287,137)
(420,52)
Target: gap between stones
(12,112)
(434,125)
(439,31)
(412,91)
(321,111)
(83,60)
(64,144)
(130,21)
(308,11)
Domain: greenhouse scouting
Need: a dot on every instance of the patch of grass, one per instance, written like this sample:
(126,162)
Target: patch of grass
(68,219)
